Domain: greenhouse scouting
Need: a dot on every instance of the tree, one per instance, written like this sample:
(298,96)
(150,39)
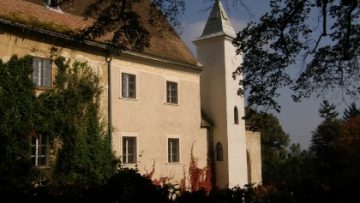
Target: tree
(272,46)
(348,147)
(128,21)
(296,173)
(351,111)
(18,113)
(274,141)
(335,146)
(327,110)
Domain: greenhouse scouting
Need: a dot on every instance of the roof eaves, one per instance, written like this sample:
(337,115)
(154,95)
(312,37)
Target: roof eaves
(197,67)
(100,45)
(53,34)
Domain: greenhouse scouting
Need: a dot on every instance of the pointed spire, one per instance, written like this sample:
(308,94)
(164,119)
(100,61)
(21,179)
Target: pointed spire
(218,22)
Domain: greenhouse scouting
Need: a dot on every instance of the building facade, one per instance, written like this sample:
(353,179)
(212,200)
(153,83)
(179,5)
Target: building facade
(168,113)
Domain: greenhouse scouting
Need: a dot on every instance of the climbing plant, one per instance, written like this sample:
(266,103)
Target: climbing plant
(71,116)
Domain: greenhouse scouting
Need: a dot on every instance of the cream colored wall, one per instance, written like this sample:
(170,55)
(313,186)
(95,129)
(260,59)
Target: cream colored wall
(21,46)
(236,132)
(148,116)
(253,148)
(219,97)
(153,121)
(213,99)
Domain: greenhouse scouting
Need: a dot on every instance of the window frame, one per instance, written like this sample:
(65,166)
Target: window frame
(124,156)
(168,98)
(38,155)
(170,153)
(127,86)
(42,76)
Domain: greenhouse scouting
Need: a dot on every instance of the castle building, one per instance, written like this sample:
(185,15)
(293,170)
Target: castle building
(168,110)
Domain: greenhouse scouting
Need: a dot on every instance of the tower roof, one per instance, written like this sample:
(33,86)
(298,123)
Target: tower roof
(218,23)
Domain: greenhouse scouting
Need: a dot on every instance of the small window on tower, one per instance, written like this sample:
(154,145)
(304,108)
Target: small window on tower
(236,115)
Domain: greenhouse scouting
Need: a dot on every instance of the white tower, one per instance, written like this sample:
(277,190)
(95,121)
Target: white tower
(219,98)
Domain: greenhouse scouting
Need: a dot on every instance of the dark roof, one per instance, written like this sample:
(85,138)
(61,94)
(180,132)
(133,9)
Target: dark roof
(218,23)
(168,45)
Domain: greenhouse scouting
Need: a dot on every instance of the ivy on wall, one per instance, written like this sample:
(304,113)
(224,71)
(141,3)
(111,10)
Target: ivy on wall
(69,114)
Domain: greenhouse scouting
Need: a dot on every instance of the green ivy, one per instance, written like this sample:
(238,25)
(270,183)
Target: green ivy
(18,113)
(69,114)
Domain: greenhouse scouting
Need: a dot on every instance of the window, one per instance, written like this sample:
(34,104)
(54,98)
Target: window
(128,85)
(129,150)
(40,150)
(219,152)
(173,150)
(236,115)
(171,92)
(42,76)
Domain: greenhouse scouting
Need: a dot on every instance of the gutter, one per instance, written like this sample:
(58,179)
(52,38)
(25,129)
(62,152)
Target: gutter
(164,60)
(108,60)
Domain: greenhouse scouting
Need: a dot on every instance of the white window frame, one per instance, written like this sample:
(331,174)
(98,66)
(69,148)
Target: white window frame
(129,135)
(172,99)
(168,157)
(174,80)
(37,145)
(137,84)
(126,88)
(40,78)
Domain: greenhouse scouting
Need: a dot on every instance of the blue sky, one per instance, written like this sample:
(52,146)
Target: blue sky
(297,119)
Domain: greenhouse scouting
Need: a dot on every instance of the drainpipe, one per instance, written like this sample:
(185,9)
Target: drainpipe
(108,61)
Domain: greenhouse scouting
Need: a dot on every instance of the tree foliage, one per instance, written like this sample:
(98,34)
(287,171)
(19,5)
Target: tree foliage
(272,46)
(128,21)
(18,113)
(327,110)
(335,148)
(351,111)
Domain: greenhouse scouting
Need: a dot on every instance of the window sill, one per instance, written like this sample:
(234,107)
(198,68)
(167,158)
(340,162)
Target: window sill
(172,104)
(129,165)
(129,99)
(41,167)
(173,163)
(42,88)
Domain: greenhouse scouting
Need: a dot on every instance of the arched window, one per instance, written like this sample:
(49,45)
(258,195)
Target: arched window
(236,115)
(219,152)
